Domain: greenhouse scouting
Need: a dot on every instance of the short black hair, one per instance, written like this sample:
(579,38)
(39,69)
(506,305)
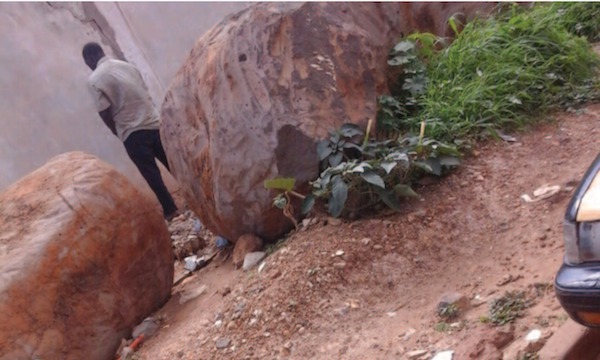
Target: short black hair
(92,53)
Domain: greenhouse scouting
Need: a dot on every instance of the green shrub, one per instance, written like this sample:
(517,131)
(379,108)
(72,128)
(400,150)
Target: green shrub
(501,71)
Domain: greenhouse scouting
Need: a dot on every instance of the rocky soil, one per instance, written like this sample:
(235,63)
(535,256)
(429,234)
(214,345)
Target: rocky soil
(371,288)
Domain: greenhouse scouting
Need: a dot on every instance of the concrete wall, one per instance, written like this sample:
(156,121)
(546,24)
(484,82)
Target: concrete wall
(45,108)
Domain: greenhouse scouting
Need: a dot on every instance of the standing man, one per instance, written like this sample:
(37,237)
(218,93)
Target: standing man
(124,104)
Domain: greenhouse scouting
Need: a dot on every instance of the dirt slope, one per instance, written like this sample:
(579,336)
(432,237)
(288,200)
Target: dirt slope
(378,300)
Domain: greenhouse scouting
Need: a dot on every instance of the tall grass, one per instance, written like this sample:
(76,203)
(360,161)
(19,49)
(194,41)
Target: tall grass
(500,72)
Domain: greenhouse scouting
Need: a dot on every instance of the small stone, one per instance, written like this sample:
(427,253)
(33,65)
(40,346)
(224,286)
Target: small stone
(218,323)
(533,335)
(365,241)
(223,343)
(339,253)
(261,267)
(334,221)
(226,291)
(180,354)
(306,223)
(377,247)
(252,259)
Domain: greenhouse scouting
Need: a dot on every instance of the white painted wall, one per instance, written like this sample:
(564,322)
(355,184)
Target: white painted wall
(45,109)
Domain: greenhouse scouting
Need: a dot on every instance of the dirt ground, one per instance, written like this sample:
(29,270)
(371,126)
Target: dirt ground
(369,289)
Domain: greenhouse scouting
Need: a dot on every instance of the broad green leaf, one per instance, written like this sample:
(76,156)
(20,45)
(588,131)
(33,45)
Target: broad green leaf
(280,201)
(449,161)
(360,168)
(286,184)
(339,195)
(389,198)
(335,159)
(397,156)
(307,204)
(350,145)
(388,166)
(350,130)
(323,149)
(374,179)
(423,166)
(436,167)
(405,191)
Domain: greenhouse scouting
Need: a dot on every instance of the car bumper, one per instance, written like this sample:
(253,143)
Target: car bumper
(578,290)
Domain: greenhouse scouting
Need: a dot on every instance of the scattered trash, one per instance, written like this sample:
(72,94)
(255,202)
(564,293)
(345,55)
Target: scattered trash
(416,354)
(533,336)
(444,355)
(197,226)
(148,327)
(252,259)
(194,262)
(506,137)
(221,242)
(541,193)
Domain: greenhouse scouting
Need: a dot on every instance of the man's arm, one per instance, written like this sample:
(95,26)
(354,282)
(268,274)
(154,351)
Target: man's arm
(108,120)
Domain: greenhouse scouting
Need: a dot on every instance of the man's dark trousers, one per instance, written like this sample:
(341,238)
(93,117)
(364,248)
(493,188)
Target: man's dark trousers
(142,147)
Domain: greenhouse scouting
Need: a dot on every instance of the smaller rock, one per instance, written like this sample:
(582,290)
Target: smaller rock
(246,244)
(223,343)
(339,265)
(444,355)
(252,259)
(218,323)
(334,221)
(377,247)
(339,253)
(306,223)
(366,241)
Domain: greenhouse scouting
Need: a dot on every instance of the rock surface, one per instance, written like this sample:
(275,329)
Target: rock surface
(488,343)
(245,245)
(259,89)
(84,257)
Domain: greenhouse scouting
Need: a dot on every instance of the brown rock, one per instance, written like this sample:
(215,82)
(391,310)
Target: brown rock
(246,244)
(84,257)
(259,89)
(487,343)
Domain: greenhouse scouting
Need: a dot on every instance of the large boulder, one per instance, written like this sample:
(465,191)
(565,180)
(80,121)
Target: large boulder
(259,89)
(84,257)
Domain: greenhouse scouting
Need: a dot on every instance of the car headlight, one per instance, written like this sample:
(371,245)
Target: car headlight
(571,244)
(582,242)
(589,241)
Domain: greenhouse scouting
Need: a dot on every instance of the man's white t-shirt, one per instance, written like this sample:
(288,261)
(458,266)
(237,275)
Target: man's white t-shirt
(119,85)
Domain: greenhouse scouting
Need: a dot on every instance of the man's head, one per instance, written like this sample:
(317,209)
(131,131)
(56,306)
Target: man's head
(92,53)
